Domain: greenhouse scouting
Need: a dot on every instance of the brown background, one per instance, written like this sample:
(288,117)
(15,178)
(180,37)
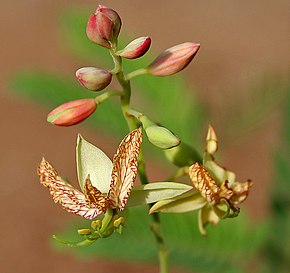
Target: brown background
(242,41)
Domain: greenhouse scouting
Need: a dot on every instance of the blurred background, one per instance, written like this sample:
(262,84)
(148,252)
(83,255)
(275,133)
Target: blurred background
(238,82)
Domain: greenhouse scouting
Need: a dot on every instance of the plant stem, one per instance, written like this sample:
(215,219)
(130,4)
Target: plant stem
(99,99)
(132,124)
(138,72)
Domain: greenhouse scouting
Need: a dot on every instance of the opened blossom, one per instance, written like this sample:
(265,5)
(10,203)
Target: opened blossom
(218,194)
(105,188)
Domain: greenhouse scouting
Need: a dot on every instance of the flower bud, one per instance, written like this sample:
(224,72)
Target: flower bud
(136,48)
(96,224)
(84,231)
(104,26)
(93,78)
(72,112)
(161,137)
(182,155)
(173,59)
(211,141)
(118,222)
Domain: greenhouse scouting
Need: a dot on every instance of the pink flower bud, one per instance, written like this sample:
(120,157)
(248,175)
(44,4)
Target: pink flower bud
(71,113)
(114,17)
(104,26)
(136,48)
(93,78)
(173,59)
(93,33)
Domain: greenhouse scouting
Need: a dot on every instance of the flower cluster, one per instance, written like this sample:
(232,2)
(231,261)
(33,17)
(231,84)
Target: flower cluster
(106,185)
(103,29)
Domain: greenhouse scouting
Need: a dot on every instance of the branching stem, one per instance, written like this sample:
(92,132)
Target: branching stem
(132,124)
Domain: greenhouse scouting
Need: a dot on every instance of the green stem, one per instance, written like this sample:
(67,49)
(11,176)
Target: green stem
(132,124)
(107,219)
(99,99)
(138,72)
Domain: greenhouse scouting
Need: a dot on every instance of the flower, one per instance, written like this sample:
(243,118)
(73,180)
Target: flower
(217,194)
(117,176)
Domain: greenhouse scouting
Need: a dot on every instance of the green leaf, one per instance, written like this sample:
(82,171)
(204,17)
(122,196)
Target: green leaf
(153,192)
(183,203)
(93,162)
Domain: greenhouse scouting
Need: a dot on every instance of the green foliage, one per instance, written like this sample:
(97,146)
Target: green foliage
(277,247)
(244,113)
(230,247)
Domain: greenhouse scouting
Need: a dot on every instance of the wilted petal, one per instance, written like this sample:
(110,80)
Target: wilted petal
(125,169)
(204,183)
(94,197)
(225,191)
(240,192)
(219,173)
(62,192)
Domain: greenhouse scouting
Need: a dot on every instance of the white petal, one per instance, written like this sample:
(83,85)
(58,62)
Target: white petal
(93,162)
(182,203)
(153,192)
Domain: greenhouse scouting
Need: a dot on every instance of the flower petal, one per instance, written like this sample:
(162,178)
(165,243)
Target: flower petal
(124,169)
(94,198)
(62,192)
(206,216)
(153,192)
(218,173)
(183,203)
(204,183)
(241,192)
(93,162)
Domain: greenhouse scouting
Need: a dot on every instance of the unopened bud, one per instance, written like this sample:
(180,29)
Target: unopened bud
(93,78)
(104,26)
(211,141)
(173,59)
(72,112)
(161,137)
(182,155)
(119,222)
(84,231)
(136,48)
(96,224)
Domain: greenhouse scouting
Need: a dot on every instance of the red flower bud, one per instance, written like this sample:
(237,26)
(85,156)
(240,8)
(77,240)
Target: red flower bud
(93,78)
(72,112)
(136,48)
(104,26)
(173,59)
